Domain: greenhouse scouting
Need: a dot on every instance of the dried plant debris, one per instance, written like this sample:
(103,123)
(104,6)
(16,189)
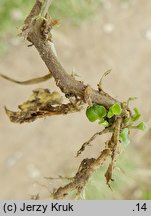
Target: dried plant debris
(40,103)
(88,143)
(40,98)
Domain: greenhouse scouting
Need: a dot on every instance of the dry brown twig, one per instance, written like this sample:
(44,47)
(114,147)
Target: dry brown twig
(28,82)
(45,103)
(86,168)
(87,143)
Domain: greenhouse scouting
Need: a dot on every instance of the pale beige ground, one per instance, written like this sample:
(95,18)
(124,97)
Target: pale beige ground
(119,39)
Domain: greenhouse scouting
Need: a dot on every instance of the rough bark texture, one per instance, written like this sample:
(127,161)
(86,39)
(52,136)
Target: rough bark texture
(33,30)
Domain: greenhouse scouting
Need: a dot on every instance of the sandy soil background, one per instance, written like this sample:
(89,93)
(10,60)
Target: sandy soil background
(118,39)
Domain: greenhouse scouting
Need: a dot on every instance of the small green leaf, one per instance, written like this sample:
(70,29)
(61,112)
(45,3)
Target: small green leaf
(104,123)
(116,109)
(91,114)
(124,137)
(95,112)
(100,110)
(136,114)
(141,126)
(110,114)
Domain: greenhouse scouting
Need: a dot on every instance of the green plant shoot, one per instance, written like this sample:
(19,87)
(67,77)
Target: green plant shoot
(124,136)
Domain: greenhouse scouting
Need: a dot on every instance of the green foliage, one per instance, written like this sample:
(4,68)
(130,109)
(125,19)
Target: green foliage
(134,118)
(96,112)
(141,126)
(129,122)
(136,115)
(110,114)
(106,118)
(124,136)
(99,112)
(91,114)
(115,109)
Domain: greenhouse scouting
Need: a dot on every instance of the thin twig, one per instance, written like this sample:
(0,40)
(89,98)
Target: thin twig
(59,178)
(100,83)
(87,143)
(30,81)
(45,7)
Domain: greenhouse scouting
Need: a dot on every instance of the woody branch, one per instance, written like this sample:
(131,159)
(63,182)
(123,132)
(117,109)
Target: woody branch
(34,33)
